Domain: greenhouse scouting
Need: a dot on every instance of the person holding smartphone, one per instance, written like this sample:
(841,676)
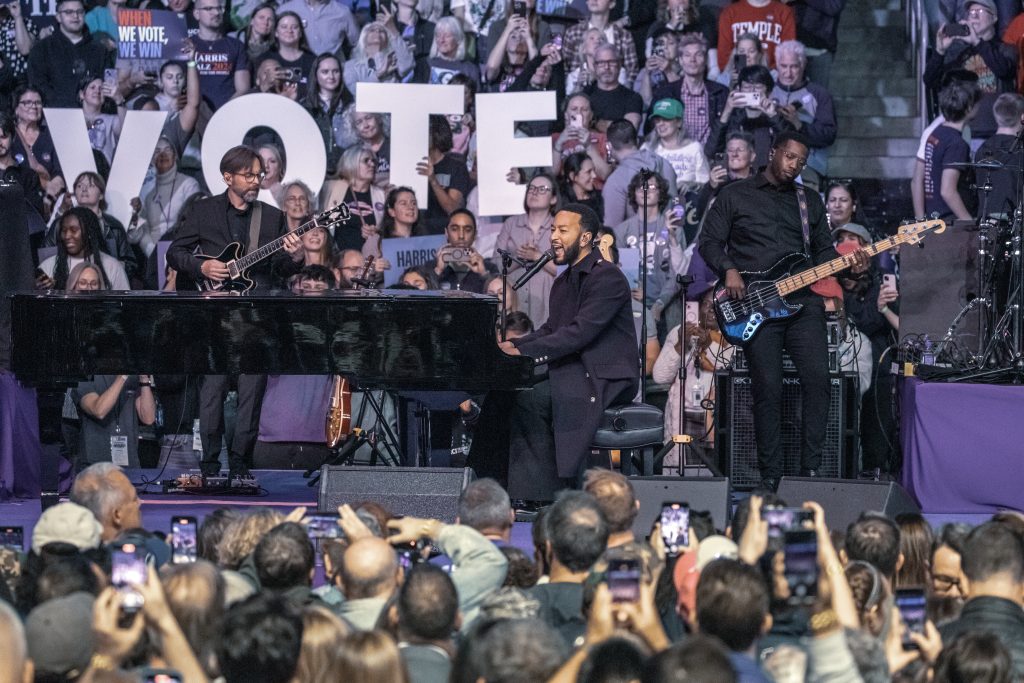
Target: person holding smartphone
(973,44)
(749,109)
(111,408)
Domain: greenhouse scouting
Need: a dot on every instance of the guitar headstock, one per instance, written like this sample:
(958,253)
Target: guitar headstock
(333,215)
(912,233)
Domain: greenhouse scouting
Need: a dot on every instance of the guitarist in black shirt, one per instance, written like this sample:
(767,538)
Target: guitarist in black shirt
(752,225)
(210,226)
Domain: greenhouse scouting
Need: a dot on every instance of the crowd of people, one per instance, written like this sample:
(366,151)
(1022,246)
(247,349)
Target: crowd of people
(388,598)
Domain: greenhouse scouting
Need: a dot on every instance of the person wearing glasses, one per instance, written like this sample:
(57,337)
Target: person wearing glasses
(222,61)
(527,236)
(210,225)
(58,62)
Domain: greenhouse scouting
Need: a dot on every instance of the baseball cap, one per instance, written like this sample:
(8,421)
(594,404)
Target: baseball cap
(990,5)
(59,634)
(667,108)
(69,523)
(858,230)
(715,547)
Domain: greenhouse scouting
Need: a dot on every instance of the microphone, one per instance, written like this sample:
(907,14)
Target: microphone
(534,269)
(370,63)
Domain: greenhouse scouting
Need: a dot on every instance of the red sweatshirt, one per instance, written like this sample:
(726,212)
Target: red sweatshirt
(773,24)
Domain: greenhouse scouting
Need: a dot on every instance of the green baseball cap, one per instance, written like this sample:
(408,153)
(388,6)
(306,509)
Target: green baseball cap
(667,109)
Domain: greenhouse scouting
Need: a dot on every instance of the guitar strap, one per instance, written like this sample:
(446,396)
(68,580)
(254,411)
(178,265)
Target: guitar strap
(254,226)
(801,200)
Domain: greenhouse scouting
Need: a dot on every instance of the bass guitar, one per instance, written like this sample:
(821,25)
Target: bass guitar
(238,262)
(765,299)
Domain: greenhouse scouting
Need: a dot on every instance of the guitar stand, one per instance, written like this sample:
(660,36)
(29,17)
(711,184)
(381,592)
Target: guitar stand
(345,454)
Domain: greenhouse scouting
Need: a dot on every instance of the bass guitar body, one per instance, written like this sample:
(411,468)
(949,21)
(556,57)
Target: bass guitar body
(237,280)
(740,319)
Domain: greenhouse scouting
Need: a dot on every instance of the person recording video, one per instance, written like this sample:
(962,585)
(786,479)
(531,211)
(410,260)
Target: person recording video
(459,265)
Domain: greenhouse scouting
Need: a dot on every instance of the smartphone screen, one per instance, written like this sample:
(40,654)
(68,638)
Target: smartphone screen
(323,525)
(675,527)
(128,568)
(783,519)
(12,537)
(801,550)
(183,539)
(623,578)
(911,603)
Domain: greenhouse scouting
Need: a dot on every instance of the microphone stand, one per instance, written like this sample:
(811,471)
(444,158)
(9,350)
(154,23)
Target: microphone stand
(507,259)
(645,175)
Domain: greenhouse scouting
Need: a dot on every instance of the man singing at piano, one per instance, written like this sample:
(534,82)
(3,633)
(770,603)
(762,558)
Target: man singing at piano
(211,225)
(752,225)
(589,345)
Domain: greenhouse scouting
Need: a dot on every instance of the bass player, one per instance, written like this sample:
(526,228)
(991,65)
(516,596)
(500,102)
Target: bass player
(751,226)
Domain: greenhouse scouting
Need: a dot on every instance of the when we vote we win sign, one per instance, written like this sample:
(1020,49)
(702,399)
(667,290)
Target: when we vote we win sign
(148,38)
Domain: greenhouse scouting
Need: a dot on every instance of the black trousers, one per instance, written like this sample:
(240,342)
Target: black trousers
(803,336)
(211,420)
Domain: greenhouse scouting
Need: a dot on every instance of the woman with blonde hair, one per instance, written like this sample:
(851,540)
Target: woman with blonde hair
(323,635)
(243,534)
(369,657)
(379,56)
(85,277)
(447,55)
(354,187)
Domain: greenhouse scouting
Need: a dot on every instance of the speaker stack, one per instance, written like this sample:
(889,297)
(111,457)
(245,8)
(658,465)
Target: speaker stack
(734,427)
(427,492)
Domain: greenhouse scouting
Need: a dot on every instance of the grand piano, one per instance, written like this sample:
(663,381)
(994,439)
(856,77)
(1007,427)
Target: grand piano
(399,340)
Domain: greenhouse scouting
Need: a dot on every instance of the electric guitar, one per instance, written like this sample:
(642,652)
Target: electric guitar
(764,301)
(238,264)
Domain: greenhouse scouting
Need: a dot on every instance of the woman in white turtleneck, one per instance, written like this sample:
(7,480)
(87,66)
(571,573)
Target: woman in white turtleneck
(160,205)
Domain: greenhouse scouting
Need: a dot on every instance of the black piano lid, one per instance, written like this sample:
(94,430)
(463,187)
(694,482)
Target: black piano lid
(399,339)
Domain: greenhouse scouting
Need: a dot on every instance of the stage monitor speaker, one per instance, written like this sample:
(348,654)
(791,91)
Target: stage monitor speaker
(700,493)
(845,499)
(430,492)
(937,280)
(734,428)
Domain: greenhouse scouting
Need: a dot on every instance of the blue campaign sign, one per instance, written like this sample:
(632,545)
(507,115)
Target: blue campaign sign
(148,38)
(405,252)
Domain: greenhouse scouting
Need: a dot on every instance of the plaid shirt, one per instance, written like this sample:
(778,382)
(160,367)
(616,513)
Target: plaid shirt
(573,38)
(696,118)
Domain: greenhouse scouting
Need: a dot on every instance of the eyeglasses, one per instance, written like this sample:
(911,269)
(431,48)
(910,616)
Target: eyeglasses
(977,12)
(73,12)
(249,177)
(538,189)
(607,63)
(30,103)
(369,161)
(216,10)
(296,200)
(945,583)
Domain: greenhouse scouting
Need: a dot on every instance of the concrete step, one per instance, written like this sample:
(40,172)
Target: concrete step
(876,106)
(873,36)
(845,87)
(874,147)
(878,126)
(871,67)
(870,167)
(873,17)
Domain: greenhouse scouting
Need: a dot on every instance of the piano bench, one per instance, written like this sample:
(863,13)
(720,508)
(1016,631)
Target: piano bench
(636,430)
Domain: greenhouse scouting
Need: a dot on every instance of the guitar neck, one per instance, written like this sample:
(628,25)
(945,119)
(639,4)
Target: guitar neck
(810,276)
(271,248)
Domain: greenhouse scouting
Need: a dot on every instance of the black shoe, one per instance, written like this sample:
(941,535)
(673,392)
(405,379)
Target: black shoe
(240,471)
(809,473)
(769,484)
(211,470)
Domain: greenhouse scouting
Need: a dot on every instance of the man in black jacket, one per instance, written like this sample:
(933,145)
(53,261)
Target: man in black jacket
(210,226)
(589,341)
(993,561)
(59,62)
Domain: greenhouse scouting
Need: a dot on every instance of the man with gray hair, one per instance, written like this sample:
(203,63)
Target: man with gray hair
(609,99)
(105,490)
(486,507)
(806,106)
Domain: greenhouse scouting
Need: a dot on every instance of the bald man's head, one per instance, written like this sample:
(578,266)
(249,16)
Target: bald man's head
(369,569)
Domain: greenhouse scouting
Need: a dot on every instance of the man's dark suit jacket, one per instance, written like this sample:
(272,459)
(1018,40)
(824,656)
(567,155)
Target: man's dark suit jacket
(589,343)
(206,227)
